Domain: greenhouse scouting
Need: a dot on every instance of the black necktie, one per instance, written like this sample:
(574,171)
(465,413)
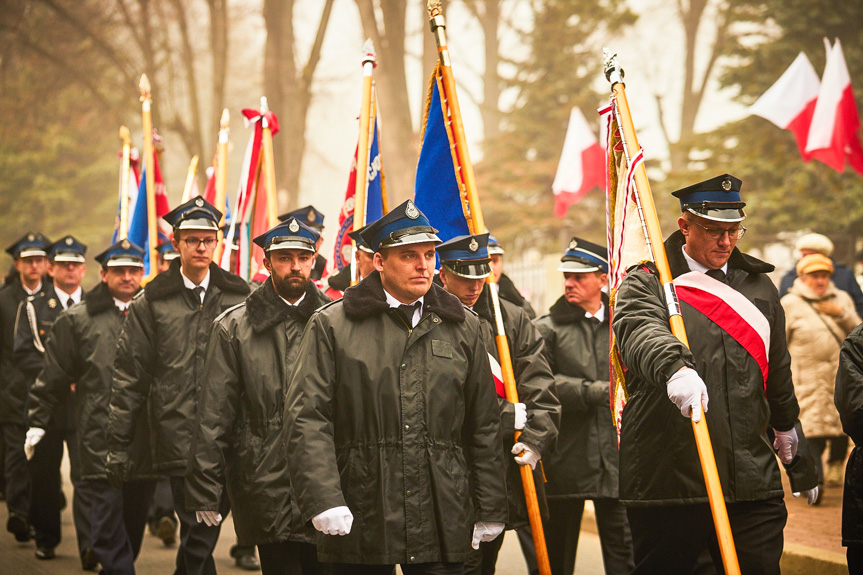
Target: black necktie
(408,312)
(717,275)
(198,291)
(69,303)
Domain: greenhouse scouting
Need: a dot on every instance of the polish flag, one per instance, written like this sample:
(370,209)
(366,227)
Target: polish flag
(582,164)
(833,135)
(497,375)
(790,102)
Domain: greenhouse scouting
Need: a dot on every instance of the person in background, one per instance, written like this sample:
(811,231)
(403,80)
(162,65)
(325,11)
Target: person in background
(314,218)
(337,283)
(818,317)
(506,288)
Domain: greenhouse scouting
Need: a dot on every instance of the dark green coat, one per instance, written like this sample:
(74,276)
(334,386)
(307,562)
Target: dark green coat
(81,350)
(161,356)
(659,463)
(510,293)
(402,426)
(13,383)
(535,385)
(848,398)
(585,463)
(238,441)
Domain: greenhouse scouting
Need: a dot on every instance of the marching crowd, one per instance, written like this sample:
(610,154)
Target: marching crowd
(352,428)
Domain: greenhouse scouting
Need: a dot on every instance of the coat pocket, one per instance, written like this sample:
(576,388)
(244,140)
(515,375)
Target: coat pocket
(441,348)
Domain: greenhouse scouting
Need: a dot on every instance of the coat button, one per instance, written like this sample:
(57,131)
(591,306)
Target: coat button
(404,366)
(413,558)
(408,492)
(407,427)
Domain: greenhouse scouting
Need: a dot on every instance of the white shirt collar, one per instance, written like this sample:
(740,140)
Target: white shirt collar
(64,297)
(698,267)
(600,313)
(418,312)
(302,297)
(122,305)
(205,283)
(33,291)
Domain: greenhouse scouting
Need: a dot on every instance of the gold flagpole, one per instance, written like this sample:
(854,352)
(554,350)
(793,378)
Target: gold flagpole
(614,74)
(190,179)
(123,227)
(363,145)
(222,177)
(477,226)
(147,121)
(269,165)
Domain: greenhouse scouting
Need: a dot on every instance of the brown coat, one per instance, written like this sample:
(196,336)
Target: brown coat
(814,340)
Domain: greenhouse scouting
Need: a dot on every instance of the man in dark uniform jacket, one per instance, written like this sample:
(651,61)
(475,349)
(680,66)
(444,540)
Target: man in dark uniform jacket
(747,381)
(160,356)
(585,464)
(391,417)
(313,218)
(505,286)
(30,256)
(338,282)
(464,267)
(80,351)
(66,266)
(250,355)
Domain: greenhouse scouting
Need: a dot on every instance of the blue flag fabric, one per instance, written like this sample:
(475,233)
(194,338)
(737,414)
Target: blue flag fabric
(436,192)
(139,232)
(374,190)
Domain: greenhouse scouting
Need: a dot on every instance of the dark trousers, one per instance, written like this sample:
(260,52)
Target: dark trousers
(483,560)
(669,540)
(117,519)
(197,540)
(2,459)
(162,504)
(289,558)
(855,560)
(564,526)
(838,451)
(16,469)
(417,569)
(525,539)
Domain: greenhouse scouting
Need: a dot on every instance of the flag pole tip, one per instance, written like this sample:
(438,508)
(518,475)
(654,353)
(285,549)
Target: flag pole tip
(435,8)
(144,86)
(125,135)
(613,71)
(369,51)
(225,119)
(264,105)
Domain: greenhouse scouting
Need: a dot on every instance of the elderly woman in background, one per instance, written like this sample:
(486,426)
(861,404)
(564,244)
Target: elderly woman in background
(818,317)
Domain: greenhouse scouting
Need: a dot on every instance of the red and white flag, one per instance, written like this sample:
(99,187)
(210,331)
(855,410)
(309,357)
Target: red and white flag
(497,376)
(833,135)
(581,167)
(790,102)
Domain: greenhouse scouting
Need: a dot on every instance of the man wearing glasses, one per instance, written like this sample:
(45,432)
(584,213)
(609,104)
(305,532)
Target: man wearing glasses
(160,356)
(738,360)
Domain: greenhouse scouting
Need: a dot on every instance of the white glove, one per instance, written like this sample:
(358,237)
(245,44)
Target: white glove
(34,436)
(520,415)
(811,495)
(211,518)
(529,455)
(485,532)
(335,521)
(786,444)
(688,392)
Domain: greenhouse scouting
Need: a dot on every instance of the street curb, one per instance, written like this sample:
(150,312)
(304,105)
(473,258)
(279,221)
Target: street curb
(796,559)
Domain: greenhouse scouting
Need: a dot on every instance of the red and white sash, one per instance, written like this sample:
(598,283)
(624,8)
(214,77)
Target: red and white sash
(731,311)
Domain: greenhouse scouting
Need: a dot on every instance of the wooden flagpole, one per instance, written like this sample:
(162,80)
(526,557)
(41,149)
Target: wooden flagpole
(123,227)
(269,165)
(476,224)
(147,121)
(222,177)
(363,146)
(614,74)
(190,179)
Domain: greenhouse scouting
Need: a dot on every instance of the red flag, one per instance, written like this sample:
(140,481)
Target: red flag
(581,167)
(790,102)
(833,136)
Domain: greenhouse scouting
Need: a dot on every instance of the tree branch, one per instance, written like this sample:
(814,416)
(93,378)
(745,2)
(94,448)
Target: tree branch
(315,53)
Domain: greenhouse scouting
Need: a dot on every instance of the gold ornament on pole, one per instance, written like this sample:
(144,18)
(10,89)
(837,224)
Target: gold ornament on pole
(190,179)
(222,176)
(269,165)
(123,224)
(147,122)
(363,146)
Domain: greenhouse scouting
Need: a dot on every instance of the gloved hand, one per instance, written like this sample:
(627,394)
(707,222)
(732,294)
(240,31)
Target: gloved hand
(485,532)
(34,436)
(117,468)
(811,495)
(335,521)
(598,394)
(520,415)
(687,390)
(211,518)
(786,444)
(530,455)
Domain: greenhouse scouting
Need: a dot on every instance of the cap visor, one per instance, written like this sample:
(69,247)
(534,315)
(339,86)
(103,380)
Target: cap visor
(730,215)
(495,251)
(69,258)
(198,224)
(120,262)
(576,267)
(418,238)
(470,271)
(169,257)
(290,246)
(31,253)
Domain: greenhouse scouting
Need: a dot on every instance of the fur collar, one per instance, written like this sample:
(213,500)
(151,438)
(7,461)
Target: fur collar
(99,299)
(170,282)
(738,260)
(265,308)
(508,291)
(563,312)
(367,299)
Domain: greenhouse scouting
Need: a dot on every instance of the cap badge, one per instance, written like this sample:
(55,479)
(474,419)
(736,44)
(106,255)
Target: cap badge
(199,202)
(726,184)
(126,245)
(30,237)
(294,226)
(573,244)
(411,211)
(473,246)
(69,241)
(310,217)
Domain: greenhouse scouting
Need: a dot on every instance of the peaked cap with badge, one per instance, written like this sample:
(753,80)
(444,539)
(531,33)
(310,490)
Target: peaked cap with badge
(122,253)
(29,245)
(402,226)
(582,256)
(494,248)
(167,251)
(290,234)
(359,241)
(308,215)
(715,199)
(466,256)
(68,249)
(196,214)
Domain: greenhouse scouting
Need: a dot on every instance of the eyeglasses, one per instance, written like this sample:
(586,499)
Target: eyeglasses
(716,233)
(193,243)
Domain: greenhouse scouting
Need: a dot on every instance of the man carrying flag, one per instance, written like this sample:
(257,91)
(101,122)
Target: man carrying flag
(464,267)
(737,361)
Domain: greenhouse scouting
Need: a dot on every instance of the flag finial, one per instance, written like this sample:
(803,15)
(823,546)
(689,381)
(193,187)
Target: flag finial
(225,120)
(435,8)
(369,51)
(264,105)
(125,135)
(613,72)
(144,87)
